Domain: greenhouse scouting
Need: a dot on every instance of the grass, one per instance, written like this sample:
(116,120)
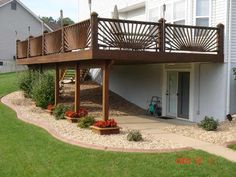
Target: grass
(233,146)
(29,151)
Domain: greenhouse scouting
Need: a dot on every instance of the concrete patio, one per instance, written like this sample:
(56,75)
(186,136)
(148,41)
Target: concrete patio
(155,126)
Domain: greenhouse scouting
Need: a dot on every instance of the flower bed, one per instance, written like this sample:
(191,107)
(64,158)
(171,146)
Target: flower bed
(74,117)
(107,127)
(50,108)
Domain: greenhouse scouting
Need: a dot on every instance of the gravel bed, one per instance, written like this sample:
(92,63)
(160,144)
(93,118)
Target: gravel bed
(69,131)
(226,132)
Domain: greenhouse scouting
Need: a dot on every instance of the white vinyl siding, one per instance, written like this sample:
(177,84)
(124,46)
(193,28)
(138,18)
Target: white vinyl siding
(233,32)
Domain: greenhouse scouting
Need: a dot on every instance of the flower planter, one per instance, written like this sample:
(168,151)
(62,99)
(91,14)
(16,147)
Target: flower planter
(105,131)
(72,120)
(49,111)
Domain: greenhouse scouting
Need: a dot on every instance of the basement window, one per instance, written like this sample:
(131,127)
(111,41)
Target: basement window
(1,63)
(13,5)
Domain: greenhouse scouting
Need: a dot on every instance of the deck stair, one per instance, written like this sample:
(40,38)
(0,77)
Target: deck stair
(69,74)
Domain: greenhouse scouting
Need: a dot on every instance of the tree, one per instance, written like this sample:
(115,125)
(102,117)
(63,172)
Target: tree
(66,21)
(50,21)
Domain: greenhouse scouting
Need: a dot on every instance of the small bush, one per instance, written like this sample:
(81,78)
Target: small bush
(86,122)
(43,90)
(209,124)
(134,135)
(26,82)
(59,111)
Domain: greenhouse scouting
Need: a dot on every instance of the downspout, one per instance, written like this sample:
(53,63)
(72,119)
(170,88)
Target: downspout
(228,24)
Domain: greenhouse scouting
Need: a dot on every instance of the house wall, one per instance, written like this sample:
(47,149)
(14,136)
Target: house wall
(233,90)
(210,91)
(208,94)
(12,21)
(137,83)
(232,55)
(137,14)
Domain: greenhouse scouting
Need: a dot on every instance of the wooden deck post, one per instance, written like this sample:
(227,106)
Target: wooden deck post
(77,87)
(94,32)
(105,90)
(161,35)
(57,79)
(220,39)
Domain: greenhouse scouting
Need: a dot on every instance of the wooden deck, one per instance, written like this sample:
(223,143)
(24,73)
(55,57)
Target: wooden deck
(100,43)
(124,42)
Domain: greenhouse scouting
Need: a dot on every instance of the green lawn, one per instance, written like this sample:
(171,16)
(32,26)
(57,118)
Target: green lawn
(233,146)
(29,151)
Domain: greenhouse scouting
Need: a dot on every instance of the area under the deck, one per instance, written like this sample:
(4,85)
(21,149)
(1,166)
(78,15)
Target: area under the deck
(91,99)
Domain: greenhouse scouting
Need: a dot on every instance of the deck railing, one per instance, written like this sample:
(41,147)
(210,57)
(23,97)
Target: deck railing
(128,35)
(110,34)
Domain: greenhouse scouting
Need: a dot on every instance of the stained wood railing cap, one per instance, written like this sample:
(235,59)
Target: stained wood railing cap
(94,14)
(162,20)
(220,25)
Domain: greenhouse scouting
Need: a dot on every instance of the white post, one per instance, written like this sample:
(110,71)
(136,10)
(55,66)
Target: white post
(61,16)
(164,11)
(90,6)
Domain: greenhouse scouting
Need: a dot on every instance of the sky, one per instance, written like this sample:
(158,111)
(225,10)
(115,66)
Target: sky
(53,7)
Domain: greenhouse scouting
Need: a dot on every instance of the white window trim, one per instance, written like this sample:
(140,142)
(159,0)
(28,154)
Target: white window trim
(185,18)
(195,17)
(170,2)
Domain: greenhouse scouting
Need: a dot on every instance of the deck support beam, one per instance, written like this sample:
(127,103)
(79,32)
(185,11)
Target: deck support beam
(57,80)
(105,90)
(77,87)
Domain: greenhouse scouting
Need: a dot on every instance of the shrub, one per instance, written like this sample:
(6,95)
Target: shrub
(134,135)
(209,124)
(86,122)
(59,111)
(106,124)
(26,82)
(43,90)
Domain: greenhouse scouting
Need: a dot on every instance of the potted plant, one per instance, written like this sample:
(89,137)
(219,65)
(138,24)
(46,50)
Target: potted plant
(50,108)
(74,117)
(107,127)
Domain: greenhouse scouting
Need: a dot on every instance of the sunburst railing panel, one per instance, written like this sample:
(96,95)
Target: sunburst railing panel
(35,46)
(191,38)
(53,42)
(127,35)
(77,36)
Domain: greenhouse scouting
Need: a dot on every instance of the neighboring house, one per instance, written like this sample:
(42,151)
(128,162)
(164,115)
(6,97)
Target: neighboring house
(209,87)
(15,18)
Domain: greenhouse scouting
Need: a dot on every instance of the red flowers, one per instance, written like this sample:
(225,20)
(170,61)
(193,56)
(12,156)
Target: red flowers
(50,107)
(106,124)
(81,113)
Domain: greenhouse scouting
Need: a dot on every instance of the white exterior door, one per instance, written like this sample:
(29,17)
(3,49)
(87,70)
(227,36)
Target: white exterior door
(171,93)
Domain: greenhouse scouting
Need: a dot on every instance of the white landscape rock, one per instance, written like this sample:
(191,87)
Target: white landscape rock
(29,111)
(225,133)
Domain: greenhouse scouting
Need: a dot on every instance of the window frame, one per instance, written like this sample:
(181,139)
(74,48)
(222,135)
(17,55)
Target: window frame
(15,5)
(171,3)
(185,14)
(202,16)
